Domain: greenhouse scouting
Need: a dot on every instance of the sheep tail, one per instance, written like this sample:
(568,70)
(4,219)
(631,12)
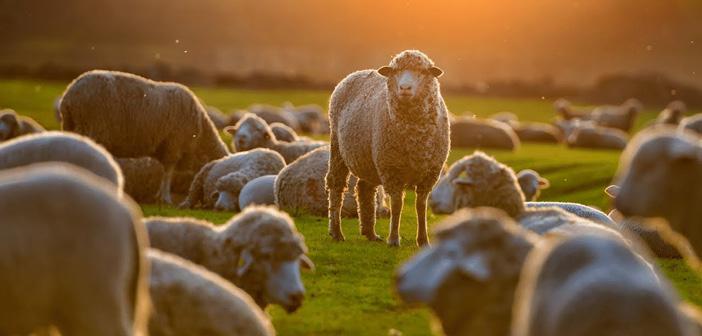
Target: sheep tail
(197,188)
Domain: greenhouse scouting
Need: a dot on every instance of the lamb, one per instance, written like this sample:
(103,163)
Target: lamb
(283,133)
(619,117)
(300,188)
(258,191)
(188,299)
(83,272)
(63,147)
(482,133)
(13,125)
(219,182)
(259,250)
(597,137)
(692,123)
(479,255)
(272,114)
(531,184)
(253,132)
(134,117)
(388,127)
(566,111)
(593,285)
(657,176)
(672,114)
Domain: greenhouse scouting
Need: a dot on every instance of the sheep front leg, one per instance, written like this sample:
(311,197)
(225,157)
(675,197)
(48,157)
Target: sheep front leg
(365,199)
(336,180)
(421,206)
(397,198)
(165,189)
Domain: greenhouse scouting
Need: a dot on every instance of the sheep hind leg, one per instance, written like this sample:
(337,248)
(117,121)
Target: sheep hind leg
(397,197)
(421,207)
(164,192)
(365,198)
(336,180)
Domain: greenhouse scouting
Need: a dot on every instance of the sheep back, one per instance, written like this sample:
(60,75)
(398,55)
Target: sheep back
(476,133)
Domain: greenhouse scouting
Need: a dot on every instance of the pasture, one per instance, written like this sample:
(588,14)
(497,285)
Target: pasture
(351,290)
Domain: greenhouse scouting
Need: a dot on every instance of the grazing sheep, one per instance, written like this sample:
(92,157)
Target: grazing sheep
(692,123)
(536,132)
(71,254)
(272,114)
(658,177)
(300,188)
(597,137)
(258,250)
(672,114)
(482,133)
(283,133)
(531,184)
(593,285)
(189,300)
(469,276)
(388,127)
(62,147)
(133,117)
(259,191)
(619,117)
(567,112)
(219,182)
(253,132)
(13,125)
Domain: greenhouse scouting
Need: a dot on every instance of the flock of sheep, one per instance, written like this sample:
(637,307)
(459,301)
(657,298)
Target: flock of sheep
(76,255)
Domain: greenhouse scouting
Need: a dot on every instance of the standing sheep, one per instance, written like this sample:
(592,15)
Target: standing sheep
(620,117)
(219,182)
(71,254)
(692,123)
(566,111)
(597,137)
(388,127)
(253,132)
(531,184)
(594,285)
(141,177)
(258,250)
(272,114)
(62,147)
(133,117)
(189,300)
(13,125)
(482,133)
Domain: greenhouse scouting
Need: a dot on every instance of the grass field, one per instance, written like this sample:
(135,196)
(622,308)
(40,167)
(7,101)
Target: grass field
(351,291)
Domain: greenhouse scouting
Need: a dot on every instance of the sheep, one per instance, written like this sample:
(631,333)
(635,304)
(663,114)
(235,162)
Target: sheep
(593,285)
(505,117)
(620,117)
(71,254)
(566,111)
(253,132)
(189,300)
(283,133)
(692,123)
(536,132)
(259,250)
(672,114)
(13,125)
(566,127)
(300,188)
(482,133)
(648,234)
(389,127)
(141,177)
(133,117)
(273,114)
(597,137)
(310,117)
(219,182)
(531,184)
(479,255)
(658,176)
(258,191)
(62,147)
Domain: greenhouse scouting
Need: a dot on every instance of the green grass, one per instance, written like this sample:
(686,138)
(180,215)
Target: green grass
(351,291)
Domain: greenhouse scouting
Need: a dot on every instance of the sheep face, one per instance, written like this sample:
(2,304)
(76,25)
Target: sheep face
(8,125)
(411,76)
(250,132)
(228,188)
(531,184)
(445,195)
(225,201)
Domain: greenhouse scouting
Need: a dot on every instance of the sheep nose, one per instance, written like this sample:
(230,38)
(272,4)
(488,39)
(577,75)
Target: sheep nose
(295,301)
(405,87)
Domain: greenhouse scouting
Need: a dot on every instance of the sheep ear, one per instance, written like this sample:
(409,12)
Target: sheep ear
(230,129)
(544,183)
(475,266)
(306,263)
(436,71)
(463,181)
(385,71)
(245,262)
(612,191)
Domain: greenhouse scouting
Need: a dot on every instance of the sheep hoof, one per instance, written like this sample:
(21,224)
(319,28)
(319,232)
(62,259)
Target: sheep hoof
(373,237)
(423,242)
(337,236)
(394,242)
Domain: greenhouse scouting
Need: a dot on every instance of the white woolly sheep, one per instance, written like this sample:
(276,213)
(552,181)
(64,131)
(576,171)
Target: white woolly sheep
(692,123)
(593,285)
(536,132)
(259,191)
(597,137)
(566,111)
(482,133)
(300,188)
(13,125)
(672,114)
(283,133)
(620,117)
(531,184)
(189,300)
(253,132)
(272,114)
(388,127)
(658,177)
(219,182)
(71,254)
(258,250)
(133,117)
(479,255)
(62,147)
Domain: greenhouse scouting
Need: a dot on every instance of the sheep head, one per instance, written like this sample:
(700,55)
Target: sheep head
(473,266)
(531,184)
(228,188)
(250,132)
(263,252)
(411,77)
(8,124)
